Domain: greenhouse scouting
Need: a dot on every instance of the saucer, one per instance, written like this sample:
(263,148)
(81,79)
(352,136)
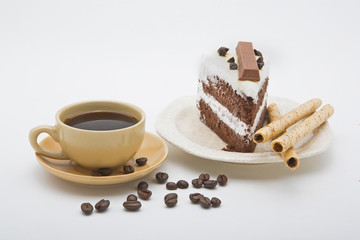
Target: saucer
(153,148)
(180,125)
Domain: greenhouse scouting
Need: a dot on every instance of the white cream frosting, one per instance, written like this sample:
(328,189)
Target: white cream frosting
(213,65)
(227,117)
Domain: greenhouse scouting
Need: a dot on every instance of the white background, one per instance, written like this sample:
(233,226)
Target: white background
(147,53)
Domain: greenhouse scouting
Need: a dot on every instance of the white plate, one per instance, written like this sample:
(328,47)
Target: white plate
(180,125)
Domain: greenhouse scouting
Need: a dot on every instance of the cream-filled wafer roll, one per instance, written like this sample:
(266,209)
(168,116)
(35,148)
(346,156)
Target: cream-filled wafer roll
(274,129)
(289,156)
(288,139)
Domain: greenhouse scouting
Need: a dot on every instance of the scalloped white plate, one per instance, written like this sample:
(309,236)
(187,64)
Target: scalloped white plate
(180,125)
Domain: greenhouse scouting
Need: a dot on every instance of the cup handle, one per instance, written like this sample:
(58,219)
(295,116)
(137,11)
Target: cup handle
(33,136)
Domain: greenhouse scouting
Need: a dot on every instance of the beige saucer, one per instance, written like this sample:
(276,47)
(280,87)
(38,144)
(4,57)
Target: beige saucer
(153,147)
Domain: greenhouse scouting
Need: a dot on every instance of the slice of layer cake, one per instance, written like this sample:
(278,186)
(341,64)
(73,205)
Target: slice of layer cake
(232,94)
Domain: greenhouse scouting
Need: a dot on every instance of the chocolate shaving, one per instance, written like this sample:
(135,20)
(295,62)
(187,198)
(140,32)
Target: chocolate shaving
(222,51)
(260,62)
(233,66)
(231,60)
(257,53)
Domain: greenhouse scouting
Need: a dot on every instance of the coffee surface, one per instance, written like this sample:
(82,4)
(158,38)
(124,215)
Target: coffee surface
(101,121)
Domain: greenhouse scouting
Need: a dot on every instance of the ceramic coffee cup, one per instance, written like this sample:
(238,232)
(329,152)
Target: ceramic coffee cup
(89,148)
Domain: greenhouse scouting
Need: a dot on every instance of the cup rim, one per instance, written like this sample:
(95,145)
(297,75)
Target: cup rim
(138,109)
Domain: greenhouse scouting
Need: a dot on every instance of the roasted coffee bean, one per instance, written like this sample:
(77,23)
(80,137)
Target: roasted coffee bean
(132,205)
(197,183)
(171,199)
(128,169)
(215,202)
(102,172)
(131,197)
(260,62)
(231,60)
(162,177)
(222,179)
(171,186)
(170,196)
(204,177)
(86,208)
(102,205)
(195,197)
(205,202)
(182,184)
(141,161)
(233,66)
(257,53)
(144,194)
(142,185)
(222,51)
(210,184)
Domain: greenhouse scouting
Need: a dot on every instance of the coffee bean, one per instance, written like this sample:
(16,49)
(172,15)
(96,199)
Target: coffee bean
(205,202)
(215,202)
(210,184)
(86,208)
(144,194)
(222,180)
(260,62)
(102,172)
(132,205)
(162,177)
(171,186)
(233,66)
(141,161)
(131,197)
(197,183)
(204,177)
(257,53)
(195,197)
(171,199)
(222,51)
(170,196)
(182,184)
(142,185)
(128,169)
(102,205)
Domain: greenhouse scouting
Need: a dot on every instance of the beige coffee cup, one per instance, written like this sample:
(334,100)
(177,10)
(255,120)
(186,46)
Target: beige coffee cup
(93,149)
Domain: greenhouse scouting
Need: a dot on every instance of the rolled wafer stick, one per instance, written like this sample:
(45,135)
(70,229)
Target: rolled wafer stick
(288,139)
(274,129)
(289,156)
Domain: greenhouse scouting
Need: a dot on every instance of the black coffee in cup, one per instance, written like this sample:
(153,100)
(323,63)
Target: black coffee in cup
(101,121)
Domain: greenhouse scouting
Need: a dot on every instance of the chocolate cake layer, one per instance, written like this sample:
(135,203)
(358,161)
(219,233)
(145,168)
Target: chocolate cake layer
(241,107)
(238,143)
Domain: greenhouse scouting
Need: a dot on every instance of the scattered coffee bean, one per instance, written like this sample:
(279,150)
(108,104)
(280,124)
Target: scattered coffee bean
(162,177)
(128,169)
(210,184)
(205,202)
(195,197)
(260,62)
(182,184)
(102,205)
(231,60)
(171,186)
(102,172)
(197,183)
(222,51)
(222,179)
(215,202)
(132,205)
(141,161)
(86,208)
(171,199)
(131,197)
(257,53)
(204,177)
(233,66)
(144,194)
(142,185)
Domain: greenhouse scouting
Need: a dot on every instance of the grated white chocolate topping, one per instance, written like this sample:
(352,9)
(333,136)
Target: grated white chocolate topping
(213,65)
